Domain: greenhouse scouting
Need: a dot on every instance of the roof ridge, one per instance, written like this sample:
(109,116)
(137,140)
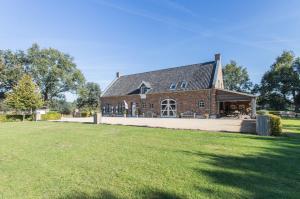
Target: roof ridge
(170,68)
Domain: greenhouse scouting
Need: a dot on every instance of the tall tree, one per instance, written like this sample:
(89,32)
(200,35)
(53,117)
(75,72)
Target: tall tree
(25,96)
(54,72)
(89,97)
(236,78)
(12,67)
(281,83)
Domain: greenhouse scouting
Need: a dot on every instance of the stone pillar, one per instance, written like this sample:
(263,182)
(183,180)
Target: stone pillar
(263,125)
(213,104)
(38,116)
(97,118)
(253,107)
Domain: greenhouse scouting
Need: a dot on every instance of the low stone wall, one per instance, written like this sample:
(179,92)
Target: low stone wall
(222,125)
(227,125)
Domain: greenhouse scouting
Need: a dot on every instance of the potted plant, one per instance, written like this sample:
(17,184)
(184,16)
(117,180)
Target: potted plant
(206,115)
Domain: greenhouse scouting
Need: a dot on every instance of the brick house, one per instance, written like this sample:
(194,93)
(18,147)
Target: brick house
(193,90)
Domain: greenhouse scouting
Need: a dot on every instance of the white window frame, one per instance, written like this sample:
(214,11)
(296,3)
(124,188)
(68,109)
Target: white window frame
(144,89)
(170,107)
(173,85)
(184,84)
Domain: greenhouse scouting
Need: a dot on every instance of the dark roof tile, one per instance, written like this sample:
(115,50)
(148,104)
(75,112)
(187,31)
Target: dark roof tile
(198,76)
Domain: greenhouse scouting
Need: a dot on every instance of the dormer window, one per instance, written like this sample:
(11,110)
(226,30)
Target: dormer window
(144,89)
(184,84)
(173,86)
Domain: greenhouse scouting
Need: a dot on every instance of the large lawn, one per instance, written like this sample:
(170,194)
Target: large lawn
(68,160)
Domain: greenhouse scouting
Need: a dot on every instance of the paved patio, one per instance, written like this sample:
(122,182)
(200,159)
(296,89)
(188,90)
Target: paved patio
(228,125)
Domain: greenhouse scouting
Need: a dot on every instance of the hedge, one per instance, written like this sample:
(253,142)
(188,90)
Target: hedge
(14,118)
(262,112)
(276,125)
(51,116)
(85,114)
(274,113)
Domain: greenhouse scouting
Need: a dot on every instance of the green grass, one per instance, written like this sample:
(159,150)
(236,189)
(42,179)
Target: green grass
(68,160)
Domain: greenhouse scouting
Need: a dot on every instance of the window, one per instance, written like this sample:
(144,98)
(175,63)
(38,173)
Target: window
(173,86)
(184,84)
(107,109)
(201,104)
(168,108)
(151,105)
(144,105)
(144,89)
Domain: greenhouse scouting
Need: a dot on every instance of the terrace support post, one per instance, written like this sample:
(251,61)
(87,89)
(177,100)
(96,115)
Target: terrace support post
(253,108)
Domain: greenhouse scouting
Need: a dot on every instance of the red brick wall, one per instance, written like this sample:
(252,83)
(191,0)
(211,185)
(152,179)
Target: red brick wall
(186,101)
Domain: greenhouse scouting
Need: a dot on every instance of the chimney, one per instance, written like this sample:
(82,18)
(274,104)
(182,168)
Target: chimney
(217,57)
(117,74)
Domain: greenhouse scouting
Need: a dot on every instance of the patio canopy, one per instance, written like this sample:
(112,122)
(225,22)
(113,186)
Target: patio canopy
(223,95)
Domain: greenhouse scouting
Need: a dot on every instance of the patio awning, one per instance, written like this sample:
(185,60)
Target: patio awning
(224,95)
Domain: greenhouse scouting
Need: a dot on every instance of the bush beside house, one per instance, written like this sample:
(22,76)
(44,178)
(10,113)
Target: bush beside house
(275,125)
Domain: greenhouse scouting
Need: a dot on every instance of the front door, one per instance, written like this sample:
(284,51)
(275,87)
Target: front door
(168,108)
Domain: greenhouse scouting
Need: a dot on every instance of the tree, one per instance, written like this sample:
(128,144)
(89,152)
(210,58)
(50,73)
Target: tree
(25,96)
(62,106)
(89,97)
(54,72)
(236,78)
(12,67)
(280,85)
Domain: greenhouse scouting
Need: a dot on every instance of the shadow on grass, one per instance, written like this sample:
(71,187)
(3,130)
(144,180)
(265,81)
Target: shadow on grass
(273,173)
(292,130)
(145,194)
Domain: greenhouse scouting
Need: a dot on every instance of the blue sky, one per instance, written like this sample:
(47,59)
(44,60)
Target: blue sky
(106,36)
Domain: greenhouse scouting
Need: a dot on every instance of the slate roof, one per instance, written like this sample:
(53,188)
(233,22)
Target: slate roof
(198,76)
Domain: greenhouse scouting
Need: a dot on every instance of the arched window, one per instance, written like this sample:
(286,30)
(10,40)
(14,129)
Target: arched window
(168,108)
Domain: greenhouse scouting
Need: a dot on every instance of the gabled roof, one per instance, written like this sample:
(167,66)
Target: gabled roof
(198,76)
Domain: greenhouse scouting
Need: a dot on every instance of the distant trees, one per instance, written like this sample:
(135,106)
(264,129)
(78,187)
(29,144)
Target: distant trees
(89,97)
(53,71)
(280,86)
(62,106)
(25,96)
(236,78)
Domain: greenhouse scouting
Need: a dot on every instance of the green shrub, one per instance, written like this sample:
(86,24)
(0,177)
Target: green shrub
(18,117)
(85,114)
(3,118)
(51,116)
(262,112)
(14,118)
(276,125)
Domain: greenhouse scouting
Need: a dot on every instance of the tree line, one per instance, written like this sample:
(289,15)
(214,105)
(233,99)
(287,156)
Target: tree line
(279,88)
(43,76)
